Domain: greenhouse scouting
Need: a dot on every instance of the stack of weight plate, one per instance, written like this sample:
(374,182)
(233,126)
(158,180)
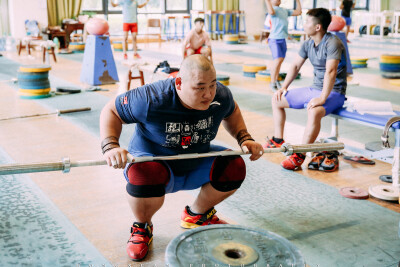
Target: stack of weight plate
(390,66)
(264,75)
(224,79)
(231,38)
(117,45)
(77,46)
(33,81)
(250,70)
(358,63)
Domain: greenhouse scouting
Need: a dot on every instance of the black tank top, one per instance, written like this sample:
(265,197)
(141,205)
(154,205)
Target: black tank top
(346,11)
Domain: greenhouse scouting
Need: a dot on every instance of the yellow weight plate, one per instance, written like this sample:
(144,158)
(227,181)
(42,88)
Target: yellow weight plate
(395,82)
(34,68)
(225,82)
(253,68)
(35,91)
(263,77)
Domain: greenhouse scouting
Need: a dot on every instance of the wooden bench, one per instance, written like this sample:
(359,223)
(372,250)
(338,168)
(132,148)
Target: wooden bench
(376,121)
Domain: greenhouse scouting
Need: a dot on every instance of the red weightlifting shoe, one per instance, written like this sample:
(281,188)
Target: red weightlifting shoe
(137,56)
(192,221)
(293,162)
(140,240)
(125,57)
(272,144)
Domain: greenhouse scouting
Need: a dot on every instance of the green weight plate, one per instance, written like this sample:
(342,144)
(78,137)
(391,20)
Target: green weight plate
(231,245)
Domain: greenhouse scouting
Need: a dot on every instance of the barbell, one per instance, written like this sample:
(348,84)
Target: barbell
(58,112)
(66,164)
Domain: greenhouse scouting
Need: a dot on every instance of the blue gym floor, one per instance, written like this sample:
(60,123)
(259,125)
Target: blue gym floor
(328,229)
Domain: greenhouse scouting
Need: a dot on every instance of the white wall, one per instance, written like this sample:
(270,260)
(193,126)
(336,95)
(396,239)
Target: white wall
(255,15)
(21,10)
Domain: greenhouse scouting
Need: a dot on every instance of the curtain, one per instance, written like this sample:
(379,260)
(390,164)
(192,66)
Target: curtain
(4,19)
(218,5)
(58,10)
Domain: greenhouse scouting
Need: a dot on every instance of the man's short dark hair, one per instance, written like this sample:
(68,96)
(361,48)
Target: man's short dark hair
(198,19)
(321,16)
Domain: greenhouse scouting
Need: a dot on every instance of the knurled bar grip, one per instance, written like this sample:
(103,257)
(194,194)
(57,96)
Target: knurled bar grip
(66,164)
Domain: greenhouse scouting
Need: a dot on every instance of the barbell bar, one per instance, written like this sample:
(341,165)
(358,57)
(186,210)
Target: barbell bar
(65,164)
(58,112)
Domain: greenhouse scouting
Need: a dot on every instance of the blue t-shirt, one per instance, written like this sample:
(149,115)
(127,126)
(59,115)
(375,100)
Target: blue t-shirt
(164,126)
(129,11)
(279,23)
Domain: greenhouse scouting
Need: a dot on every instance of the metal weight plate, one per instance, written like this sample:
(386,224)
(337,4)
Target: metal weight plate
(385,192)
(386,178)
(231,245)
(354,193)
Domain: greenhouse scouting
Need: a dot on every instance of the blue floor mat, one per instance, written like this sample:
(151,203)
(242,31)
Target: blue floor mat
(329,230)
(33,232)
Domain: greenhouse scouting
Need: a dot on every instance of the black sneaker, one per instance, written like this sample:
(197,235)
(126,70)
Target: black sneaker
(331,162)
(316,161)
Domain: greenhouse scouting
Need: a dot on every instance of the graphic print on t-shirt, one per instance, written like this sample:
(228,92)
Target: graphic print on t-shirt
(184,133)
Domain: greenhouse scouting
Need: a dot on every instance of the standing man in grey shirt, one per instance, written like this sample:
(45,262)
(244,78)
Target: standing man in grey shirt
(327,55)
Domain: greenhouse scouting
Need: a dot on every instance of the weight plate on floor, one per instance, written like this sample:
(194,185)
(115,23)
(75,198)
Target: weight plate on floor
(23,96)
(354,193)
(231,245)
(386,178)
(222,77)
(385,192)
(35,68)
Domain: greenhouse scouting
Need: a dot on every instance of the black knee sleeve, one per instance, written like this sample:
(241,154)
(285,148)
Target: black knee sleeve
(227,173)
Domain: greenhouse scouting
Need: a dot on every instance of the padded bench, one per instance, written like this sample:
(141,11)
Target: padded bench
(377,121)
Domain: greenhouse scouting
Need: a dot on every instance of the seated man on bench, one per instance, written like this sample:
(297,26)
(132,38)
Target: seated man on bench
(327,55)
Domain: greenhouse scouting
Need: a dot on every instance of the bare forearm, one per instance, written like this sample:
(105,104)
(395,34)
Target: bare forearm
(110,123)
(297,11)
(329,82)
(270,9)
(142,5)
(291,75)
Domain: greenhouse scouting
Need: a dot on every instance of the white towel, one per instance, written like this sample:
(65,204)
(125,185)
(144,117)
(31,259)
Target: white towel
(363,106)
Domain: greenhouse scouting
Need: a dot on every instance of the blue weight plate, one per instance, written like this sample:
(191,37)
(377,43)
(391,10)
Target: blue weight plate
(34,85)
(32,75)
(249,74)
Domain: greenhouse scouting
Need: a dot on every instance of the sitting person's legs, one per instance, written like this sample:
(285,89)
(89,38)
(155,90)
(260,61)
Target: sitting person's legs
(299,99)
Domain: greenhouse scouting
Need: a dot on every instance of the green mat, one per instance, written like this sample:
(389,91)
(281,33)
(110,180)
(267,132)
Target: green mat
(33,232)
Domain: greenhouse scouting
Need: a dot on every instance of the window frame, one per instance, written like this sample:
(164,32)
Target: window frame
(164,9)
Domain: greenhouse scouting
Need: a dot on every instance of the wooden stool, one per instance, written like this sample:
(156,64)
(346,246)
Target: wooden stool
(130,77)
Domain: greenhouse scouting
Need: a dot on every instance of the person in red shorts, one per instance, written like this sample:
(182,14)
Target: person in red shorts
(129,13)
(197,41)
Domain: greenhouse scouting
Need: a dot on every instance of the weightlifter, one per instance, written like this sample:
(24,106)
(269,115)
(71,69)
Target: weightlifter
(176,116)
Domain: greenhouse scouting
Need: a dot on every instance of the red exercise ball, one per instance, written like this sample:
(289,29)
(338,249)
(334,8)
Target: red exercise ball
(97,26)
(337,24)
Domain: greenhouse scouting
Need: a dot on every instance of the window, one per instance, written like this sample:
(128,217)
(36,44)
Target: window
(92,5)
(197,4)
(172,6)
